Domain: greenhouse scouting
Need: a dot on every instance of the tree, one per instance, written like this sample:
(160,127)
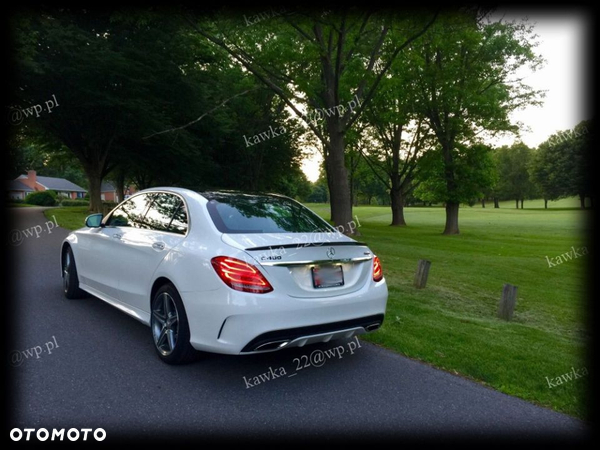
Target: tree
(396,136)
(328,65)
(393,156)
(514,180)
(548,171)
(464,72)
(473,171)
(121,78)
(580,152)
(111,83)
(561,165)
(368,184)
(319,191)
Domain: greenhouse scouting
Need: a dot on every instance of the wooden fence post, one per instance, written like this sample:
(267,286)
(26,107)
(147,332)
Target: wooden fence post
(422,273)
(507,302)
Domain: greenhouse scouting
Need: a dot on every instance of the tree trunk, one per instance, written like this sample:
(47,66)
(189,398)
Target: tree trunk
(483,202)
(339,188)
(396,197)
(545,204)
(451,218)
(521,203)
(351,187)
(496,202)
(451,206)
(397,208)
(517,203)
(582,200)
(95,181)
(120,186)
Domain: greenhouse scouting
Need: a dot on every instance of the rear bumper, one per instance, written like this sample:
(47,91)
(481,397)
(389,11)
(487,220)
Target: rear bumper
(232,322)
(298,337)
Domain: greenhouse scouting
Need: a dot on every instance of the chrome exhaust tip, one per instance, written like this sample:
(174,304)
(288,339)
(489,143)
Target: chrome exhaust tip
(372,327)
(273,345)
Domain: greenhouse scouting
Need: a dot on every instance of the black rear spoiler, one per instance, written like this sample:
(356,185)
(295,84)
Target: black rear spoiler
(307,244)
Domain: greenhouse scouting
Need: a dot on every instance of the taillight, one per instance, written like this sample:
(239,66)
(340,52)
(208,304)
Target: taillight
(240,276)
(377,270)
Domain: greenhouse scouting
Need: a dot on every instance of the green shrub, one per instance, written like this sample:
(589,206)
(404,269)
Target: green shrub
(41,198)
(74,203)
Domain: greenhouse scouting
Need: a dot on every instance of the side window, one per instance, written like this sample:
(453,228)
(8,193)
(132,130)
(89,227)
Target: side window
(179,224)
(161,211)
(131,213)
(167,213)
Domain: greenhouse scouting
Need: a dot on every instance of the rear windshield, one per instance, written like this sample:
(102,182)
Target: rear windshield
(241,213)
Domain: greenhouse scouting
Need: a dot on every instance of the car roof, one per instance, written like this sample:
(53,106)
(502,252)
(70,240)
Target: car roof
(224,195)
(175,190)
(218,195)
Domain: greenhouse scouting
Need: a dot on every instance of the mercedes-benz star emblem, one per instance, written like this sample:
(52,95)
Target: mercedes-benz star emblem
(330,252)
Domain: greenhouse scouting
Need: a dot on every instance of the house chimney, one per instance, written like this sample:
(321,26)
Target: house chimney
(31,179)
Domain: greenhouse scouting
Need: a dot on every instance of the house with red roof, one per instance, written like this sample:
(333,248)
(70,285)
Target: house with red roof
(18,188)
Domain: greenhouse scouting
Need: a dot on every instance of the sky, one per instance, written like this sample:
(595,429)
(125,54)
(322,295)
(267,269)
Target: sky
(563,42)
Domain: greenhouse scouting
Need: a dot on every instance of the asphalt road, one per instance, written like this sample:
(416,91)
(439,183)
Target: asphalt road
(97,368)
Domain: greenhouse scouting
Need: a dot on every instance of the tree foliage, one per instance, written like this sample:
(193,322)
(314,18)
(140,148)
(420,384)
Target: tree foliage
(121,79)
(325,67)
(513,165)
(474,172)
(561,165)
(464,68)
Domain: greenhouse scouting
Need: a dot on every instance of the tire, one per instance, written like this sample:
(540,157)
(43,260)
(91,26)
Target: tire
(169,327)
(69,276)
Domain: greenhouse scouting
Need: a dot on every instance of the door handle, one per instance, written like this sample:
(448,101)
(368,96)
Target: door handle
(158,246)
(117,235)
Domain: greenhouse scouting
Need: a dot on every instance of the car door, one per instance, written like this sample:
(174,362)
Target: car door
(145,247)
(102,248)
(93,266)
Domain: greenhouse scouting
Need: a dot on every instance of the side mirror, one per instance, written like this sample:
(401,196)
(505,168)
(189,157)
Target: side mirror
(93,221)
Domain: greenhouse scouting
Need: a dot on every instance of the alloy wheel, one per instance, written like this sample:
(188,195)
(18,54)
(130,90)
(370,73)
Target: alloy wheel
(67,271)
(165,324)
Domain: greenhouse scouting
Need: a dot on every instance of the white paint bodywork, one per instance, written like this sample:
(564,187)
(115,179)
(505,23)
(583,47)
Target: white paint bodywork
(122,271)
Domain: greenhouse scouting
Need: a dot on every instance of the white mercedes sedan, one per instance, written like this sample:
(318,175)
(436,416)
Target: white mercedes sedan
(225,272)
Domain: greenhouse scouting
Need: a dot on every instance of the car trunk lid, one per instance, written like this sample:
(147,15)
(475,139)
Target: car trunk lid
(308,265)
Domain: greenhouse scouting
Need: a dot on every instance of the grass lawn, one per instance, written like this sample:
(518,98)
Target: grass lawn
(71,217)
(20,205)
(452,323)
